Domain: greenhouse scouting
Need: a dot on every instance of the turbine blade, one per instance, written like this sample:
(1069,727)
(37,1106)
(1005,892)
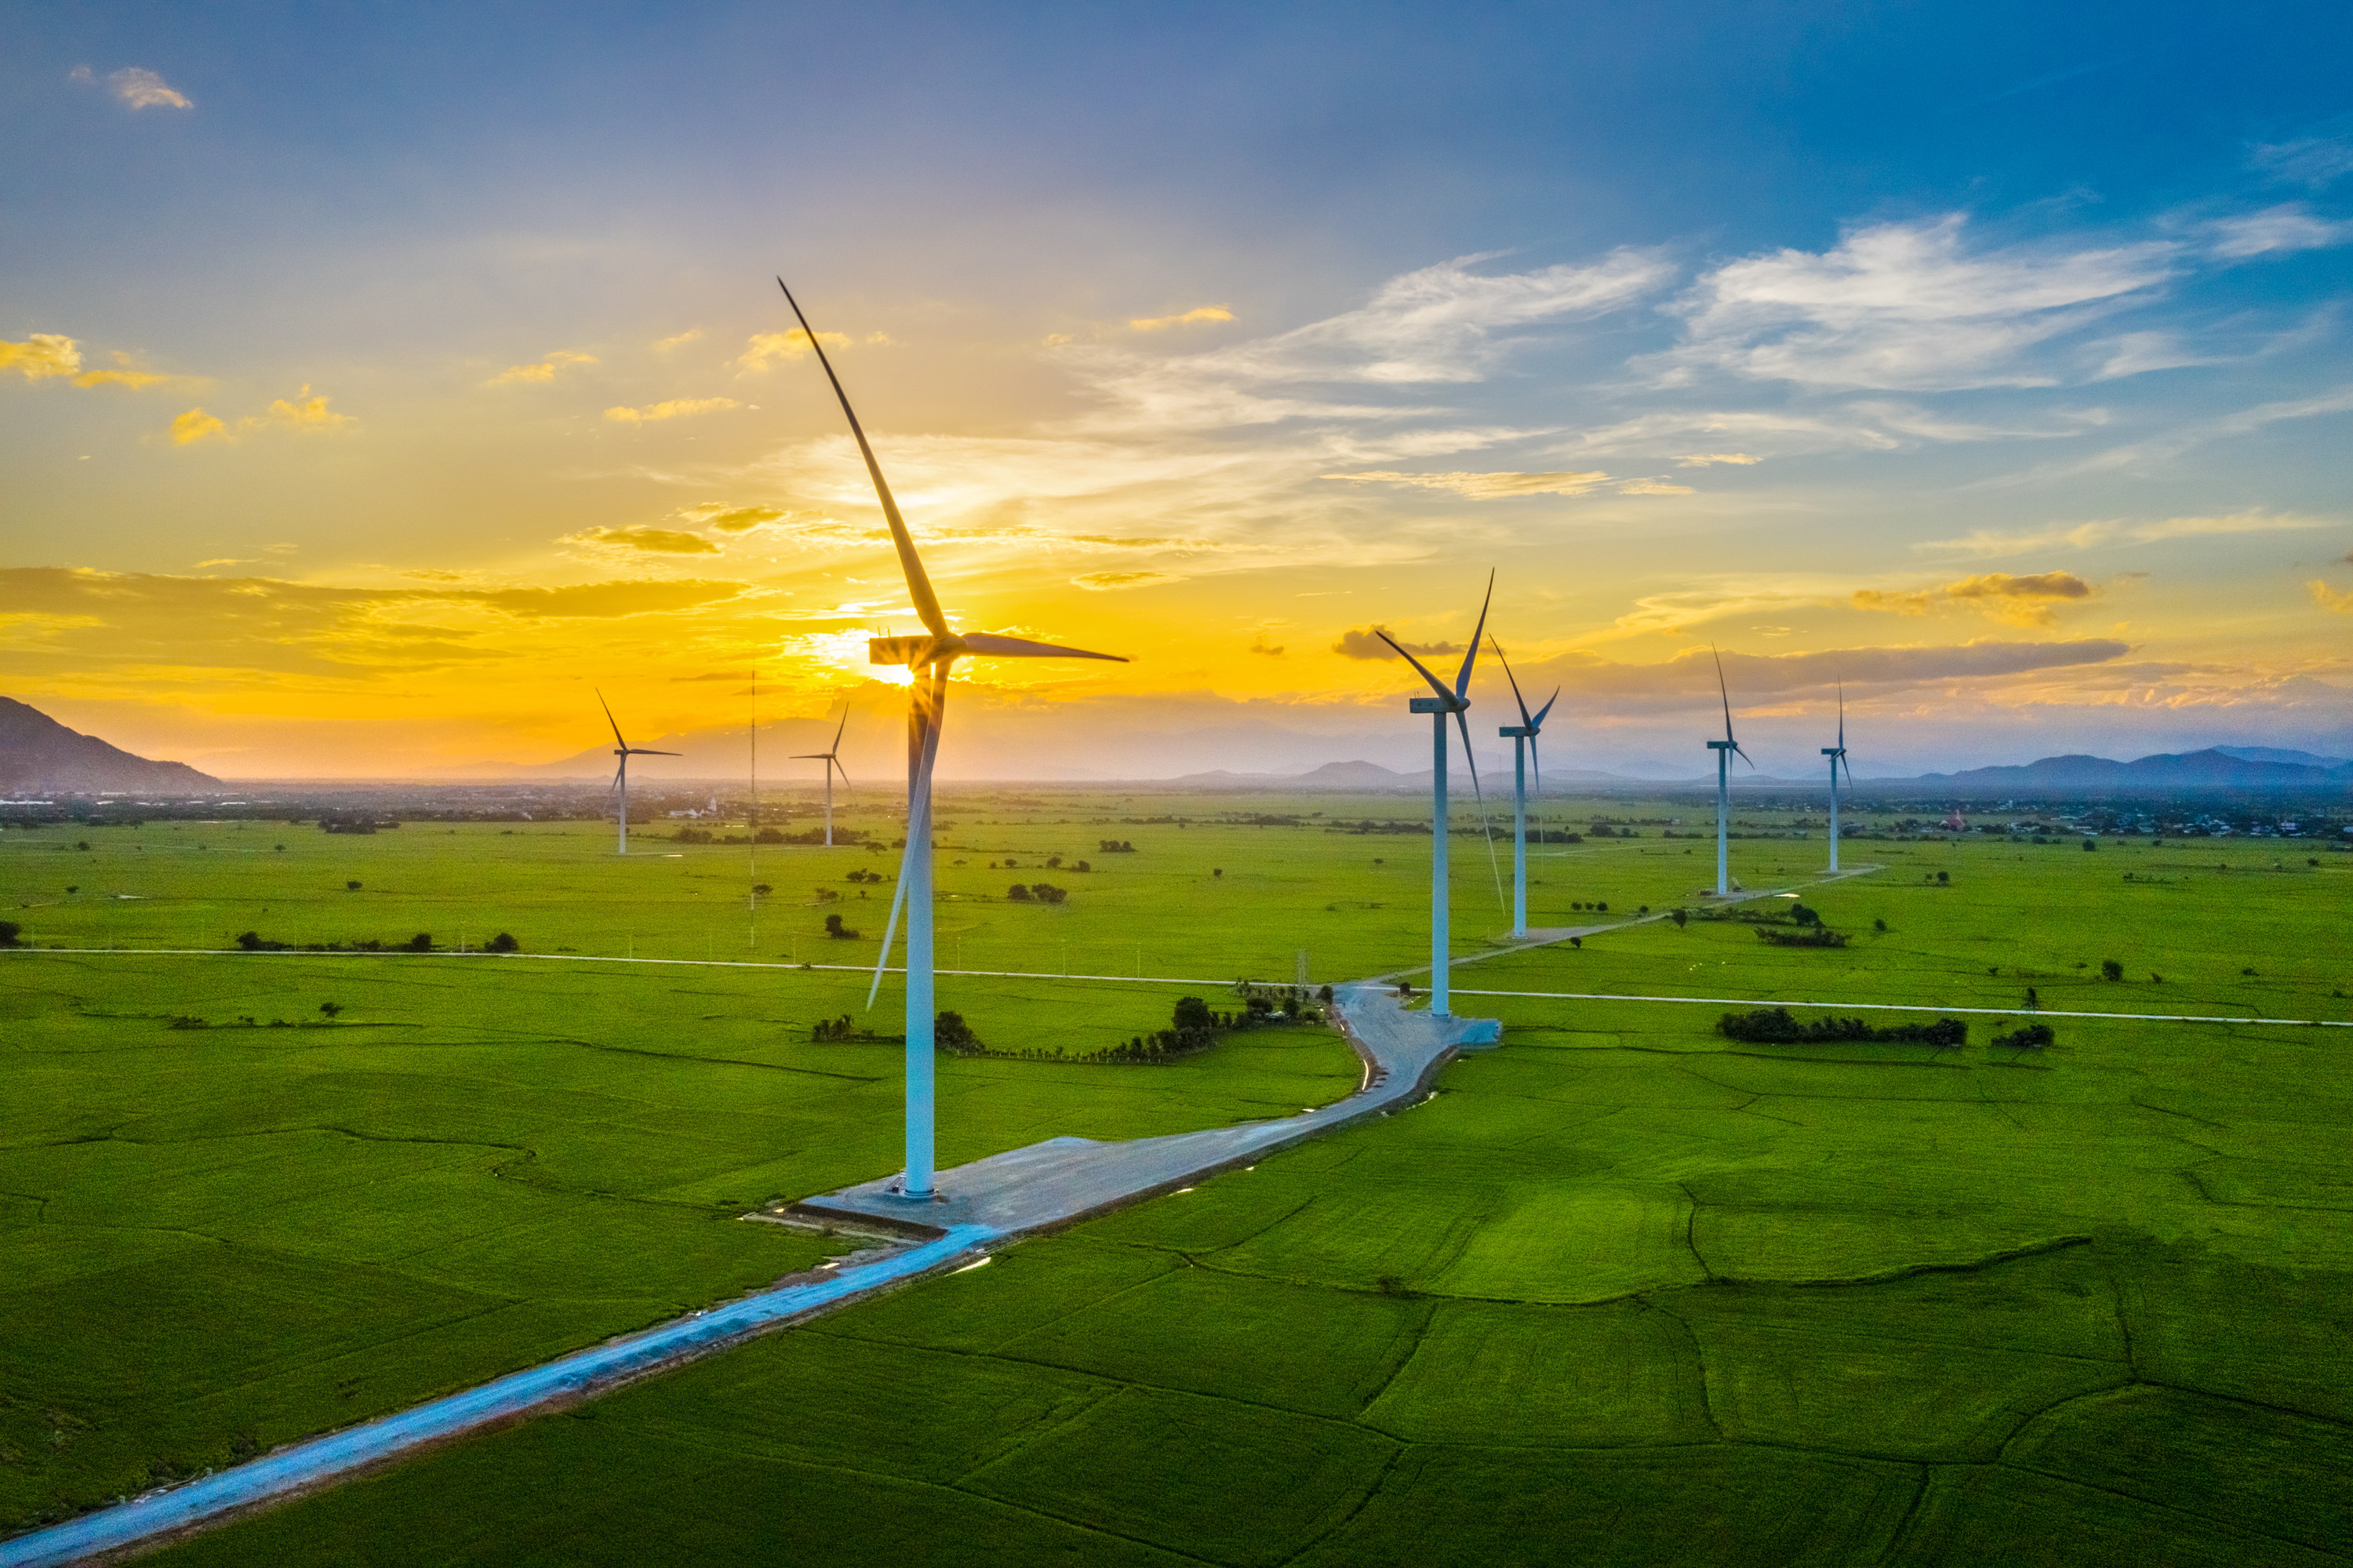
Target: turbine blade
(838,728)
(838,768)
(998,647)
(919,584)
(644,751)
(1486,829)
(1471,654)
(610,719)
(1723,692)
(1435,684)
(1548,707)
(1744,757)
(1842,719)
(890,932)
(1535,761)
(1525,721)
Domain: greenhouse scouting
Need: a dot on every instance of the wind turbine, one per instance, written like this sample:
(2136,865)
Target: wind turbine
(1836,754)
(831,758)
(1726,750)
(1456,701)
(1522,736)
(624,750)
(927,659)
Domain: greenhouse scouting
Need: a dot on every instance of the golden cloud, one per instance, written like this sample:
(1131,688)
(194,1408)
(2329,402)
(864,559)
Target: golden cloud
(1104,582)
(131,378)
(44,353)
(311,414)
(739,519)
(767,348)
(664,345)
(676,408)
(1652,487)
(2029,600)
(654,541)
(194,426)
(1363,643)
(2328,597)
(1198,313)
(1482,486)
(543,371)
(1700,459)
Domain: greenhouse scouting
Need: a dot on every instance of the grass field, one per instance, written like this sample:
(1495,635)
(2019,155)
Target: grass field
(1623,1292)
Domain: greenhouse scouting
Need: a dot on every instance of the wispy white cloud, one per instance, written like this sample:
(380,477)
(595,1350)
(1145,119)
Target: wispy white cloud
(1482,486)
(2314,161)
(136,86)
(1987,544)
(1702,459)
(2159,449)
(2276,231)
(1903,306)
(1443,325)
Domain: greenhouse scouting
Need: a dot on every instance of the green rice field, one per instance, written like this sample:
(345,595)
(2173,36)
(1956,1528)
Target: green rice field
(1625,1291)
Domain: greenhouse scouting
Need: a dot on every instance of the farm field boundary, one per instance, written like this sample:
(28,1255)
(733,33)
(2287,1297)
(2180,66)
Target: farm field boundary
(1912,1007)
(1181,980)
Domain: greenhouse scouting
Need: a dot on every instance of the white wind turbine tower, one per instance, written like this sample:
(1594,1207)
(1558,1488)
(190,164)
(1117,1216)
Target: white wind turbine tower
(927,658)
(624,750)
(1456,701)
(1522,736)
(1836,754)
(831,758)
(1726,750)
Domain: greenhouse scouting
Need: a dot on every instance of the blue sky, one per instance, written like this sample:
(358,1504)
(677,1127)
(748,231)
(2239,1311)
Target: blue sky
(1990,358)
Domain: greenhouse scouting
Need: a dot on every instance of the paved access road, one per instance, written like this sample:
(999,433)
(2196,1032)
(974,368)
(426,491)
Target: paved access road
(301,1467)
(989,1201)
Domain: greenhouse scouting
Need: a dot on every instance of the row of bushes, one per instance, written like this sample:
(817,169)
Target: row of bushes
(768,836)
(1774,1026)
(255,942)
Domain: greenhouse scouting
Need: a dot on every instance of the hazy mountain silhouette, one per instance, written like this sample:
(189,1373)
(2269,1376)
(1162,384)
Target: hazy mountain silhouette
(40,755)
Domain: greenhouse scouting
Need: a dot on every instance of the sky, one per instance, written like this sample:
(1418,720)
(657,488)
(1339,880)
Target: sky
(377,385)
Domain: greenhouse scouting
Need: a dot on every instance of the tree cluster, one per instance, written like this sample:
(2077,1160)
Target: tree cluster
(2033,1037)
(1774,1026)
(1037,892)
(1816,936)
(255,942)
(1115,846)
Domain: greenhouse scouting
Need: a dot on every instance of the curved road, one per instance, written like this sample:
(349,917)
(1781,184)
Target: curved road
(993,1200)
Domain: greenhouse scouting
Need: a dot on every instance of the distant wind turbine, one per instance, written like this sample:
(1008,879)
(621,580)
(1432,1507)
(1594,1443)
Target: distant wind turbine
(1457,702)
(831,758)
(624,750)
(1522,736)
(1726,750)
(927,658)
(1836,754)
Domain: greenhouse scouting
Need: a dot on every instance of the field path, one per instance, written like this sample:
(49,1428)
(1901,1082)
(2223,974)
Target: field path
(993,1201)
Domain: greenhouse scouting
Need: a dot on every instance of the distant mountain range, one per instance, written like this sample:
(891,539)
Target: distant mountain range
(2246,767)
(2222,767)
(40,755)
